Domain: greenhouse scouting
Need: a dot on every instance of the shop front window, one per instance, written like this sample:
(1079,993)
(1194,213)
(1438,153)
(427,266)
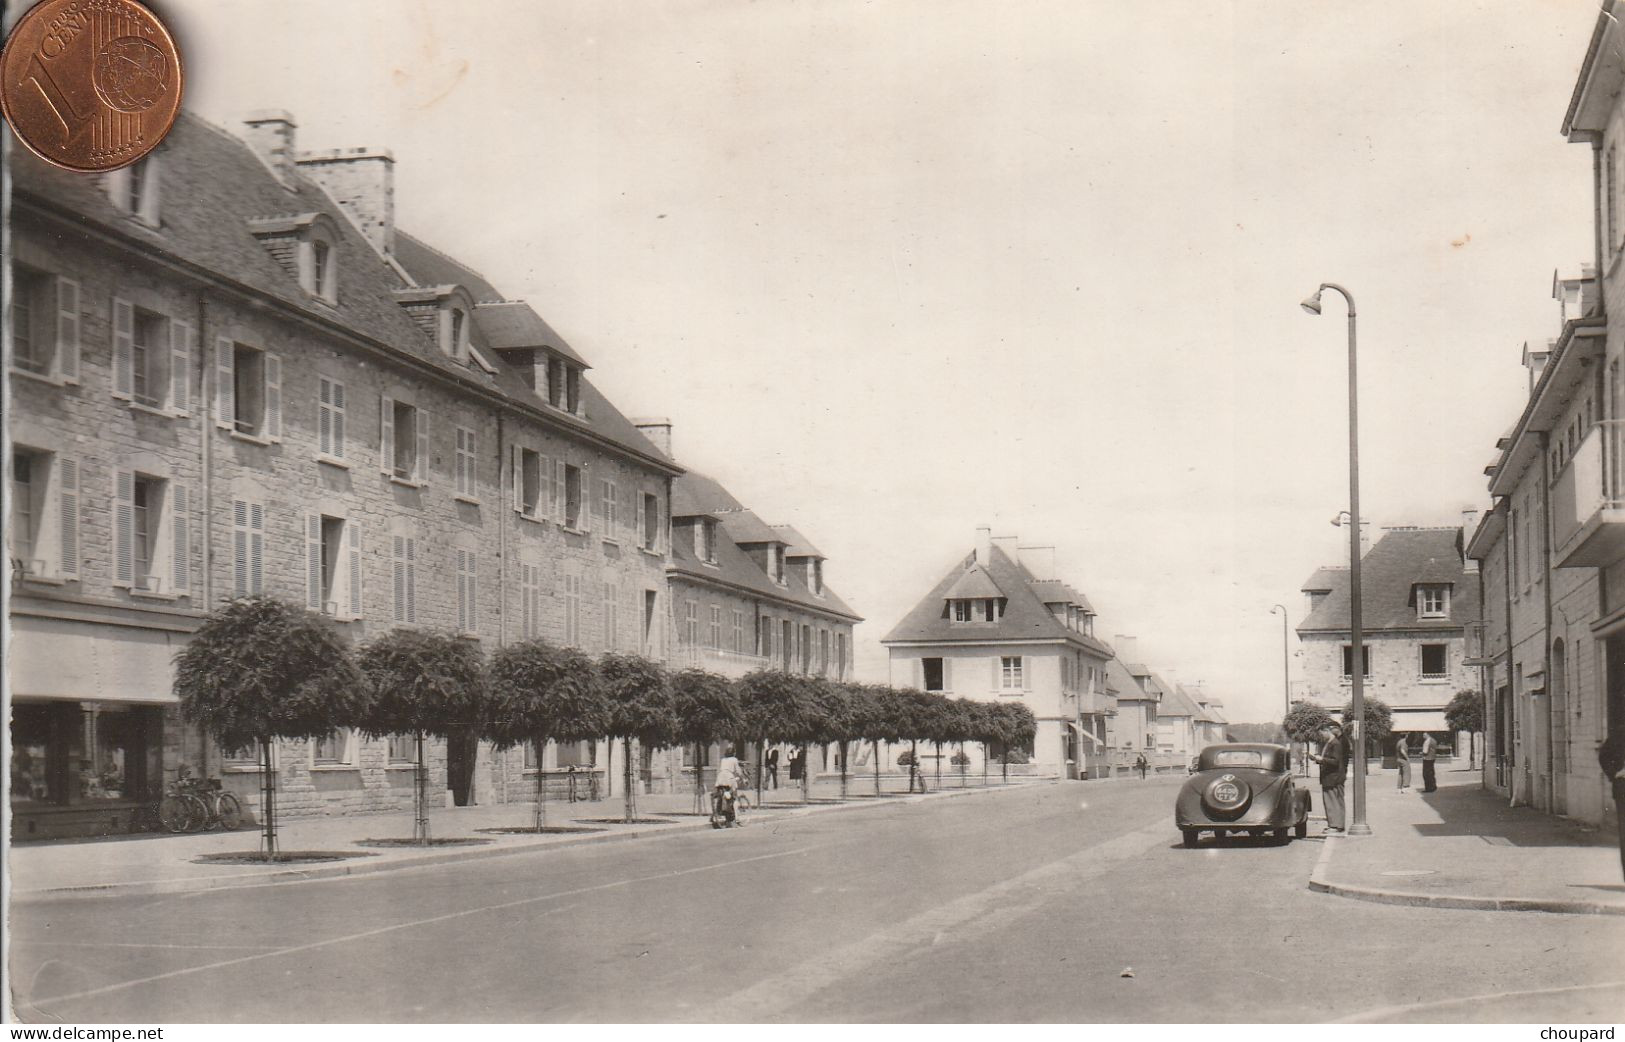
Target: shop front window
(80,752)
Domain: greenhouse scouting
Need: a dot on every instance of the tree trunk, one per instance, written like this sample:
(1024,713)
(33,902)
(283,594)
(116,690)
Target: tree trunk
(267,796)
(806,776)
(984,764)
(914,765)
(877,766)
(939,765)
(1004,762)
(699,778)
(761,753)
(541,783)
(842,755)
(626,773)
(964,765)
(420,798)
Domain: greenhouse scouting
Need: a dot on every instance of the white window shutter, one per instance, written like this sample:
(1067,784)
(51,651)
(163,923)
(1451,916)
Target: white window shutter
(352,534)
(67,330)
(123,348)
(640,521)
(524,600)
(947,671)
(67,472)
(225,383)
(420,472)
(517,458)
(273,397)
(386,435)
(398,572)
(239,548)
(181,338)
(124,528)
(324,417)
(338,419)
(256,548)
(588,500)
(313,562)
(411,580)
(561,499)
(180,533)
(544,488)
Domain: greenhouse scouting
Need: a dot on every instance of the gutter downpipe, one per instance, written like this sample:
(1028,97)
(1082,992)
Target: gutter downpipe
(1546,576)
(205,461)
(504,495)
(1485,675)
(1506,741)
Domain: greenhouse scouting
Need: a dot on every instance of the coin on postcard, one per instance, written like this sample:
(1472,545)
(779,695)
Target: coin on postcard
(90,85)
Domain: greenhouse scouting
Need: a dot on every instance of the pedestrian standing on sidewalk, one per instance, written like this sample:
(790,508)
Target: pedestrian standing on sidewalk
(773,767)
(1402,757)
(1140,765)
(1430,749)
(1334,762)
(1612,759)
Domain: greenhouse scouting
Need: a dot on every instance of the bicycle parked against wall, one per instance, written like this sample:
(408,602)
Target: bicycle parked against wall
(585,790)
(195,804)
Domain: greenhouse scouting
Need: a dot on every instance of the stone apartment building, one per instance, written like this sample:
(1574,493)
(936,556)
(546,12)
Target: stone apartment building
(746,595)
(230,374)
(1001,625)
(1420,602)
(1552,551)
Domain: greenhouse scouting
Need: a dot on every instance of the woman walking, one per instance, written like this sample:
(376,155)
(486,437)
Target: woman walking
(1402,756)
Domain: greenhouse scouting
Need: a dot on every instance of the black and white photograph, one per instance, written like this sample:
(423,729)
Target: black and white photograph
(769,512)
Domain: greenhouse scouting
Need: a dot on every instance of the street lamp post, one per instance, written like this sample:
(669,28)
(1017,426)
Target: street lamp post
(1357,823)
(1286,675)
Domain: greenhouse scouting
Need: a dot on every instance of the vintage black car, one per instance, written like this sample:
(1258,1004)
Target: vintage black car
(1242,787)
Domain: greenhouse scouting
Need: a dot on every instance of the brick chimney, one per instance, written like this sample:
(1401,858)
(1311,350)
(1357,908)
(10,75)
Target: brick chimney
(362,182)
(270,133)
(658,430)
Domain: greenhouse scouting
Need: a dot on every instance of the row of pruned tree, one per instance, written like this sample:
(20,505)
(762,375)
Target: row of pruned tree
(260,669)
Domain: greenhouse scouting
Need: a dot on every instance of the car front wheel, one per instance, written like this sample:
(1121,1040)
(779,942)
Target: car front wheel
(1302,828)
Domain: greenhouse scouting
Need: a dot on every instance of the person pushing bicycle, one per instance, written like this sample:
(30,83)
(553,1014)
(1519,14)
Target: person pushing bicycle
(730,778)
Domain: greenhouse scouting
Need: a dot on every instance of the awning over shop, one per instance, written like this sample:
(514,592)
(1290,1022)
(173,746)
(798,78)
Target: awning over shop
(53,658)
(1420,720)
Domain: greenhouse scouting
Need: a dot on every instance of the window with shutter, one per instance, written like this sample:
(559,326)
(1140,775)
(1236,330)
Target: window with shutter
(330,418)
(123,348)
(124,528)
(67,469)
(225,383)
(352,536)
(315,588)
(180,546)
(183,349)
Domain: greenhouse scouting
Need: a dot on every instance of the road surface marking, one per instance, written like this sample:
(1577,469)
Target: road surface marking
(392,928)
(1372,1015)
(138,944)
(1002,901)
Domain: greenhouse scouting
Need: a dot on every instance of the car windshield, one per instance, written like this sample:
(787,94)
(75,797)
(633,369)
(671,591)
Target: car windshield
(1238,758)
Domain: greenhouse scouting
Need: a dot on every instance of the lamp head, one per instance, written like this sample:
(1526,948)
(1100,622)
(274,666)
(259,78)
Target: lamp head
(1337,522)
(1312,304)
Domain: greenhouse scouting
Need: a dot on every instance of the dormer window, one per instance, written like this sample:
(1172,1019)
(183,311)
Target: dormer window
(305,246)
(775,564)
(1432,601)
(815,576)
(977,609)
(454,333)
(322,281)
(134,190)
(705,540)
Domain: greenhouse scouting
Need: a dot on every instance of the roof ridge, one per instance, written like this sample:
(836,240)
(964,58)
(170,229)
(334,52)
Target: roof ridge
(443,255)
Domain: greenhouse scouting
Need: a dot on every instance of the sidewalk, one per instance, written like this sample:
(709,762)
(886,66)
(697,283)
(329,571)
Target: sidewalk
(1462,847)
(164,863)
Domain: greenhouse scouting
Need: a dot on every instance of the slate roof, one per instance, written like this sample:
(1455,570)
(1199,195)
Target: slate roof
(214,186)
(796,544)
(696,495)
(745,528)
(1389,570)
(1178,702)
(973,583)
(1025,617)
(734,567)
(514,323)
(1324,579)
(1118,676)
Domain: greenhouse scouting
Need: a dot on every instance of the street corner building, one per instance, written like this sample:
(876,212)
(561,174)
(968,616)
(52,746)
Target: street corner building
(1000,626)
(1552,550)
(231,374)
(1419,618)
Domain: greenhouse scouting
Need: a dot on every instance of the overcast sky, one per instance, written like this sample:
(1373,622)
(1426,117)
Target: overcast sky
(898,269)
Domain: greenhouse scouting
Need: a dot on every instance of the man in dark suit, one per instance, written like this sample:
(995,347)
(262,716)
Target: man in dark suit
(1611,756)
(1334,762)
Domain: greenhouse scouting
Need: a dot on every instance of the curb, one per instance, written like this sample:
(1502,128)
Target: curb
(1320,884)
(366,868)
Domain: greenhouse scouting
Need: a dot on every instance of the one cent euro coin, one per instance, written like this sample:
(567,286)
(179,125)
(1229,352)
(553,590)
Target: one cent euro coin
(90,85)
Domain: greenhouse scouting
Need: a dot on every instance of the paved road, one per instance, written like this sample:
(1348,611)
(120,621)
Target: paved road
(1018,906)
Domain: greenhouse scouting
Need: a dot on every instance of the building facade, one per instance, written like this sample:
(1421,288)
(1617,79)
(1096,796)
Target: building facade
(230,374)
(1419,603)
(1002,626)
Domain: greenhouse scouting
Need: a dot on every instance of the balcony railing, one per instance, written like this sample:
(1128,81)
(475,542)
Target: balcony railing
(1588,500)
